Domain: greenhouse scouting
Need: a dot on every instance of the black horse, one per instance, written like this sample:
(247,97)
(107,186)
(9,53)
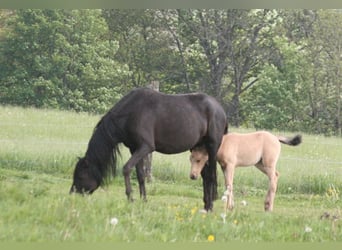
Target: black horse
(145,121)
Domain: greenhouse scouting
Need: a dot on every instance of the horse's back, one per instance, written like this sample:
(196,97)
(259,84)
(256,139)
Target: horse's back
(169,123)
(145,99)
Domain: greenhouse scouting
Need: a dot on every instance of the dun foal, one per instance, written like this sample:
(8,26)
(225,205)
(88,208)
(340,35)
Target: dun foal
(261,149)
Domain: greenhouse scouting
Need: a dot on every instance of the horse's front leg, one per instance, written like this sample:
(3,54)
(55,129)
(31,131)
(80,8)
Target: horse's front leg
(136,157)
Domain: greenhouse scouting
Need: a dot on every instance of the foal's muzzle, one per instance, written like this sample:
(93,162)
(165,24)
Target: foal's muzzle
(193,177)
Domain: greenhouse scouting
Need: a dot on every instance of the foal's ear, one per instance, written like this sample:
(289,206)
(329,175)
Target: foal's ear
(193,148)
(198,148)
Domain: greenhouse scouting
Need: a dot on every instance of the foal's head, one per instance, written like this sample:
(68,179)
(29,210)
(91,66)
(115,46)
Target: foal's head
(198,159)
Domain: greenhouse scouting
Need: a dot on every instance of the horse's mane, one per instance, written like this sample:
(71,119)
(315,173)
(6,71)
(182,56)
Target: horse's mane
(103,147)
(103,150)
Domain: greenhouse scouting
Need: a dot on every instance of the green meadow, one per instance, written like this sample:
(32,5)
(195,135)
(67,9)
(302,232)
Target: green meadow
(38,152)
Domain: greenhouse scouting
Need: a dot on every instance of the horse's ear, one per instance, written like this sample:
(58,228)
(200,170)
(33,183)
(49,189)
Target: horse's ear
(82,161)
(79,159)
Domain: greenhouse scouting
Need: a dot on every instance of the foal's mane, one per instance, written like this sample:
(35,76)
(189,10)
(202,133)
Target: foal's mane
(103,150)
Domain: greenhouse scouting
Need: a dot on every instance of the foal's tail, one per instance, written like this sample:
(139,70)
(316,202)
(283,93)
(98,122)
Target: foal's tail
(294,141)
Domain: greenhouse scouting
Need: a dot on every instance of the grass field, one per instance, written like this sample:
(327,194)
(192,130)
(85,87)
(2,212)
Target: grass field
(38,151)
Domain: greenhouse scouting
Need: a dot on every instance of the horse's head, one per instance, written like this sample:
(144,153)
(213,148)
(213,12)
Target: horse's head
(84,181)
(198,158)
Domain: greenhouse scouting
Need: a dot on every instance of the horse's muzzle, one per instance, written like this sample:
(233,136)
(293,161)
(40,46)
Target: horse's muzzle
(72,189)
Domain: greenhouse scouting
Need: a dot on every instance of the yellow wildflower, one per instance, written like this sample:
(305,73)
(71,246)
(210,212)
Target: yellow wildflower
(211,238)
(193,210)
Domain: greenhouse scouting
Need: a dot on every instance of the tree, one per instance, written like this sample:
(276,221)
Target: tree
(317,33)
(146,46)
(61,59)
(235,43)
(279,99)
(300,87)
(325,94)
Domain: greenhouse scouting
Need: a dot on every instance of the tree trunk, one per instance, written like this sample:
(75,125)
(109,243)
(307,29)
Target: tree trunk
(148,159)
(233,111)
(338,97)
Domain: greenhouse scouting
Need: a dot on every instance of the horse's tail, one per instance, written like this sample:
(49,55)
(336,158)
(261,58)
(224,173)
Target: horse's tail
(294,141)
(226,129)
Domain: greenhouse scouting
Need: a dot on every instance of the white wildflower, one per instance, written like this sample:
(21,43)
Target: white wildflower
(224,198)
(307,229)
(114,221)
(223,216)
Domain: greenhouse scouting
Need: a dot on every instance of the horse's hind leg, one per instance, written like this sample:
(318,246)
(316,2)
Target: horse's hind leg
(141,178)
(206,196)
(136,157)
(210,178)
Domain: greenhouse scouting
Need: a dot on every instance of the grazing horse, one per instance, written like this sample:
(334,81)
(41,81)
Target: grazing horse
(261,149)
(145,121)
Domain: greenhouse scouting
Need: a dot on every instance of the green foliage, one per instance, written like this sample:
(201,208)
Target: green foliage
(325,48)
(146,47)
(269,68)
(277,101)
(60,59)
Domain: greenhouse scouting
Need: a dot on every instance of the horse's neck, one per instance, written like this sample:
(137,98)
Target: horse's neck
(101,145)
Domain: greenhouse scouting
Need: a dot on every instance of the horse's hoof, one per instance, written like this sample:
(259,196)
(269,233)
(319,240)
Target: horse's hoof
(203,211)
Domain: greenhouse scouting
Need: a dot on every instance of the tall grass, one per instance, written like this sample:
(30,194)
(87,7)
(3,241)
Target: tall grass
(46,141)
(39,149)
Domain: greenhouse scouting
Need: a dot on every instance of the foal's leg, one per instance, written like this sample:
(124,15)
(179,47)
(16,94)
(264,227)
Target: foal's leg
(229,179)
(270,171)
(136,157)
(273,180)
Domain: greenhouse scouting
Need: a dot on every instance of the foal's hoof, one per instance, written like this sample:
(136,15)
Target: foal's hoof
(244,203)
